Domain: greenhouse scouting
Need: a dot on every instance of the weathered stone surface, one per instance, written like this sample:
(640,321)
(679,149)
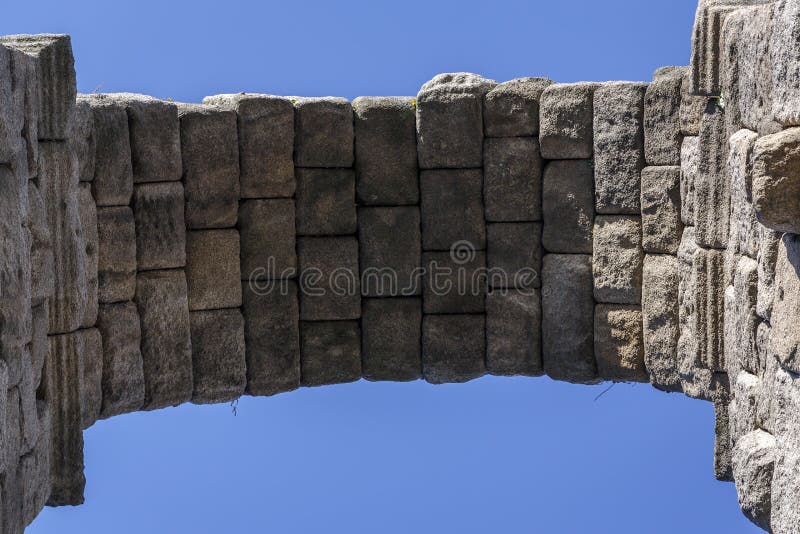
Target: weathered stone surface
(272,337)
(10,483)
(113,172)
(385,151)
(452,209)
(768,241)
(267,233)
(87,210)
(785,484)
(568,318)
(662,123)
(566,115)
(744,405)
(331,352)
(690,154)
(450,121)
(29,418)
(618,346)
(82,138)
(784,60)
(453,284)
(617,259)
(40,346)
(514,254)
(766,396)
(753,466)
(568,207)
(692,108)
(166,340)
(661,210)
(512,188)
(512,108)
(660,320)
(123,378)
(218,355)
(776,180)
(323,132)
(785,337)
(741,321)
(42,266)
(34,470)
(743,225)
(210,161)
(723,449)
(453,348)
(513,332)
(705,75)
(116,254)
(22,92)
(618,146)
(391,334)
(711,188)
(90,345)
(158,213)
(326,202)
(389,251)
(330,288)
(709,309)
(212,269)
(266,142)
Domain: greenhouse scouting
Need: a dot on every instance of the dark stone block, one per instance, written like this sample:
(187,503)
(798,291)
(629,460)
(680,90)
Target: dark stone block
(453,284)
(323,132)
(513,333)
(326,202)
(391,339)
(160,227)
(514,254)
(116,254)
(330,288)
(331,352)
(218,355)
(155,138)
(568,207)
(453,348)
(123,378)
(512,108)
(212,269)
(566,116)
(389,241)
(452,209)
(512,188)
(113,171)
(267,234)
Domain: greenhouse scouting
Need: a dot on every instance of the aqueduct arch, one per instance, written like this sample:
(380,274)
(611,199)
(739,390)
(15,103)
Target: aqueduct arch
(155,253)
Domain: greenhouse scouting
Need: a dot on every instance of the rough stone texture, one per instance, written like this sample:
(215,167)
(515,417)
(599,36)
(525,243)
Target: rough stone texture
(272,337)
(512,108)
(165,338)
(450,121)
(158,213)
(513,332)
(116,254)
(267,233)
(662,123)
(22,87)
(705,75)
(218,355)
(785,62)
(87,210)
(566,116)
(618,345)
(753,466)
(743,225)
(723,449)
(453,348)
(329,281)
(453,284)
(785,337)
(692,108)
(661,210)
(512,188)
(323,132)
(618,146)
(741,321)
(514,255)
(568,318)
(452,209)
(389,251)
(90,346)
(82,138)
(711,188)
(213,270)
(34,470)
(266,142)
(660,320)
(709,309)
(617,259)
(744,406)
(210,162)
(326,202)
(690,155)
(42,266)
(776,180)
(568,207)
(123,378)
(768,241)
(331,352)
(785,484)
(391,337)
(385,151)
(113,172)
(40,346)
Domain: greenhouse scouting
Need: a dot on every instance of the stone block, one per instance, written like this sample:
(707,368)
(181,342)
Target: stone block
(568,207)
(453,284)
(692,108)
(662,123)
(90,345)
(272,337)
(166,338)
(10,484)
(723,452)
(514,254)
(155,138)
(743,224)
(389,251)
(513,332)
(566,117)
(711,188)
(452,209)
(784,58)
(568,318)
(87,210)
(218,355)
(768,241)
(210,161)
(267,234)
(113,171)
(617,259)
(158,212)
(21,91)
(41,259)
(40,346)
(661,210)
(785,338)
(34,470)
(212,269)
(330,288)
(709,327)
(82,138)
(618,344)
(618,146)
(450,121)
(785,517)
(744,405)
(385,151)
(742,320)
(753,466)
(512,108)
(326,202)
(323,132)
(512,189)
(123,377)
(706,61)
(690,154)
(776,180)
(660,320)
(331,352)
(453,348)
(391,330)
(266,143)
(28,416)
(12,438)
(116,254)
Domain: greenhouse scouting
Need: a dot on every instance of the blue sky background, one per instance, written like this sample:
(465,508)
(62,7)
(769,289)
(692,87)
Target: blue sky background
(494,455)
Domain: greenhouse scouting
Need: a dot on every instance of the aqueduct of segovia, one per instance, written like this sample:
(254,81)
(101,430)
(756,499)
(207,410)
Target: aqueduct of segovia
(154,253)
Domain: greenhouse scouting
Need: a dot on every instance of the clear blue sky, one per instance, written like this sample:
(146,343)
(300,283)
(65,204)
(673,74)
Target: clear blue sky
(494,455)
